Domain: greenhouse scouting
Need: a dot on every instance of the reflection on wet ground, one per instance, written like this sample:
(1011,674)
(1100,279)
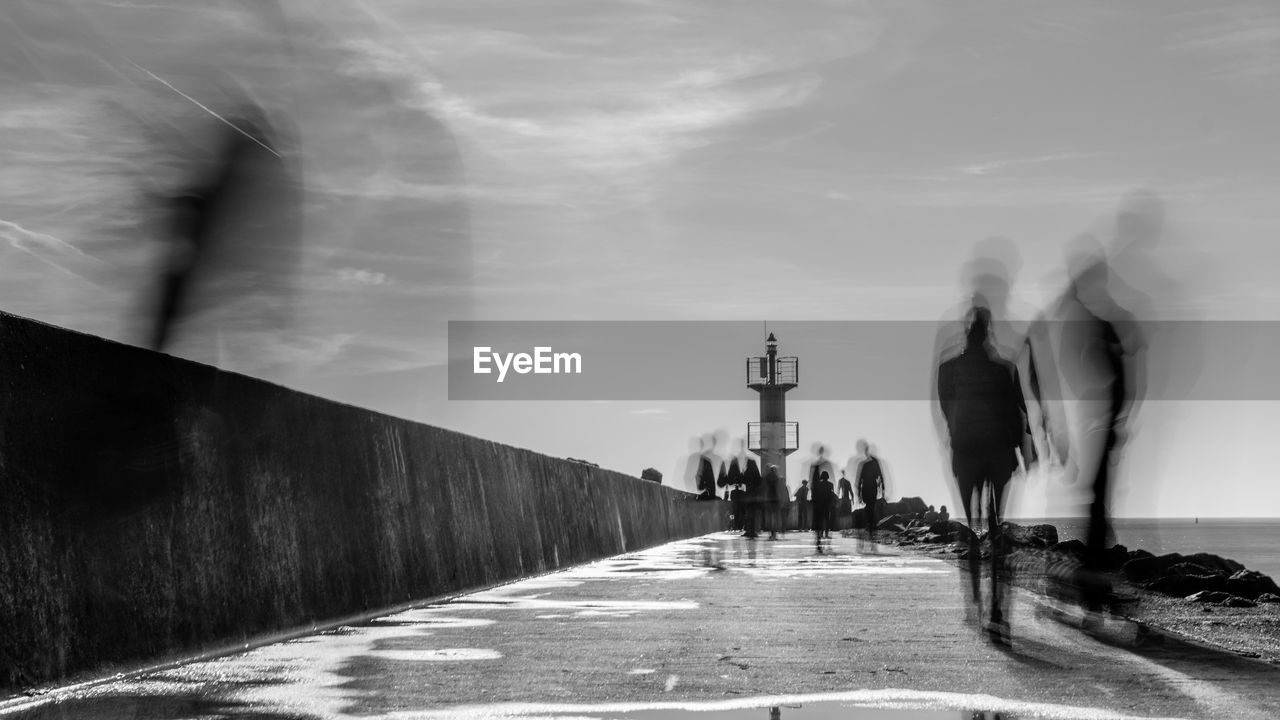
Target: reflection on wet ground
(810,711)
(399,666)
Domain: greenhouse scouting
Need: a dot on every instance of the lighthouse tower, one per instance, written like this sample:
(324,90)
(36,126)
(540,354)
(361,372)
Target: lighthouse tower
(773,438)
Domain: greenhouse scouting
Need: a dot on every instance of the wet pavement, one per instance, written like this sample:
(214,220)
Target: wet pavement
(713,628)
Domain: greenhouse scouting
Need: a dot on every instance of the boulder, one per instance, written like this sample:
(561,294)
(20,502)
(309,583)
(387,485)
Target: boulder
(651,475)
(1145,569)
(892,522)
(906,506)
(1071,547)
(1039,536)
(1237,601)
(1184,585)
(1208,596)
(953,530)
(1250,584)
(1268,598)
(1115,558)
(1189,568)
(1215,563)
(1138,554)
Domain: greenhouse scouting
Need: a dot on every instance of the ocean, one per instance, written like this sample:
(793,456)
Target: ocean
(1255,543)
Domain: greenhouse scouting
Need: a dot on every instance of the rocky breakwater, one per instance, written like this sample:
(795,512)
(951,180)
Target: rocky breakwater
(1199,578)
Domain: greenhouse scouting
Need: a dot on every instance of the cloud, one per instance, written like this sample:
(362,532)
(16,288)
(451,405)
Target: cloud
(1241,40)
(362,277)
(994,166)
(46,248)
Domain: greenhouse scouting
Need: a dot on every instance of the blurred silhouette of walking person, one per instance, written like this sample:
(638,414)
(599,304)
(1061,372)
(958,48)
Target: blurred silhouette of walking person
(753,498)
(775,494)
(980,396)
(706,477)
(732,480)
(817,465)
(845,507)
(804,511)
(824,499)
(870,479)
(1098,362)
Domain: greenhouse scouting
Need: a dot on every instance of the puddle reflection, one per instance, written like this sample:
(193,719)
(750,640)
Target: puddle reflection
(806,711)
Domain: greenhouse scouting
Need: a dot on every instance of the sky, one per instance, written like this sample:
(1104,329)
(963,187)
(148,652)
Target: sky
(654,160)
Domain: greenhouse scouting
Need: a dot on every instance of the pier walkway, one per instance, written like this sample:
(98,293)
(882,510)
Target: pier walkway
(712,628)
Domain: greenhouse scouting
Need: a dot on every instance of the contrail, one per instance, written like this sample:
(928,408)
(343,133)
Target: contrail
(204,107)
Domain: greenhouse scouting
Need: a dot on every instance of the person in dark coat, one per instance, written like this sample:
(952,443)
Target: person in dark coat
(824,499)
(870,479)
(753,498)
(981,399)
(733,479)
(804,511)
(775,493)
(845,506)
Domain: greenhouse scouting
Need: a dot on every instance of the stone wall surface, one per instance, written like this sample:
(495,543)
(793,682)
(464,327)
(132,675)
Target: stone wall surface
(152,506)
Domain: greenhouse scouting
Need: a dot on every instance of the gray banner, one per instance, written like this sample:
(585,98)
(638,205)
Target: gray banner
(856,360)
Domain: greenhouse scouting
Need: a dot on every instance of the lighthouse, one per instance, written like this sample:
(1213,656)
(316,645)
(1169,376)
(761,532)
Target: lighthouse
(773,438)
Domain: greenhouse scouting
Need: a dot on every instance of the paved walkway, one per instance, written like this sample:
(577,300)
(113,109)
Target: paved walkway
(718,626)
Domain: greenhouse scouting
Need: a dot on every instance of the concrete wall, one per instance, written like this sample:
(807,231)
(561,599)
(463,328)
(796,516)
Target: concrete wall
(150,505)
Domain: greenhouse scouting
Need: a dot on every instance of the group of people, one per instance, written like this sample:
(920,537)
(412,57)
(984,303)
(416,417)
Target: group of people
(760,502)
(823,504)
(1085,351)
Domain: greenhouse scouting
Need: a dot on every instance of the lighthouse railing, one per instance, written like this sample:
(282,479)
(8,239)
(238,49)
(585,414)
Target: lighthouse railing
(786,371)
(784,436)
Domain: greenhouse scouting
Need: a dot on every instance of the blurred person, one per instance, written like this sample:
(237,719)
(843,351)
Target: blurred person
(1096,371)
(988,278)
(705,477)
(980,397)
(870,480)
(775,495)
(732,481)
(815,465)
(804,510)
(753,498)
(844,506)
(824,499)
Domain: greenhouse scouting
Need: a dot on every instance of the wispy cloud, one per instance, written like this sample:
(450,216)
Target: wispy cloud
(1239,40)
(994,166)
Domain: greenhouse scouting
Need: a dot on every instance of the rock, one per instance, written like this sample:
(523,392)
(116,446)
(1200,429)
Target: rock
(1189,568)
(1115,558)
(1215,563)
(1039,536)
(951,529)
(1184,585)
(891,522)
(1146,569)
(1236,601)
(1139,554)
(907,506)
(1208,596)
(1250,584)
(1268,598)
(651,475)
(1071,547)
